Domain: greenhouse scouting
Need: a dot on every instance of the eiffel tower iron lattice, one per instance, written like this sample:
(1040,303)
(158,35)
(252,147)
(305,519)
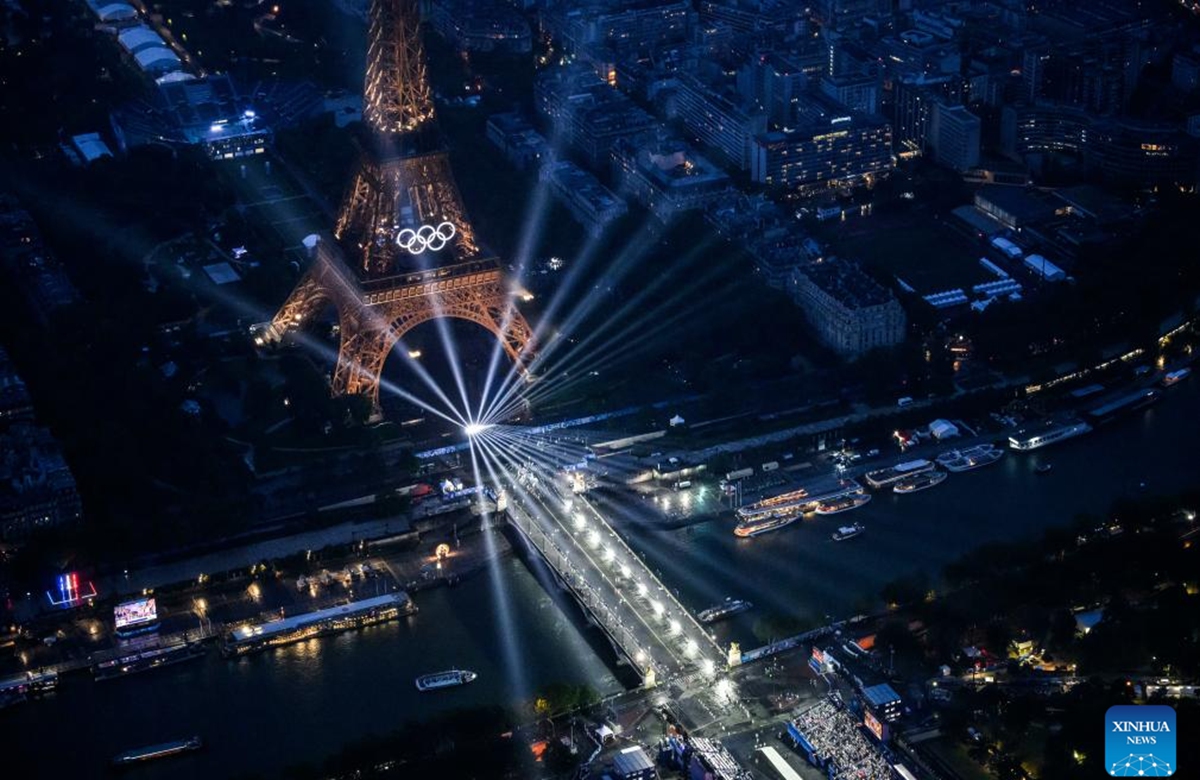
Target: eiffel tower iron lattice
(415,256)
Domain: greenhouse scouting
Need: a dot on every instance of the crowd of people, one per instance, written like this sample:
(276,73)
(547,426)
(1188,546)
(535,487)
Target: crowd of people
(841,747)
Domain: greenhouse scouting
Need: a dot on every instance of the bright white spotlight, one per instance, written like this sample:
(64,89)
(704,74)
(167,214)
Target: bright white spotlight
(675,627)
(475,428)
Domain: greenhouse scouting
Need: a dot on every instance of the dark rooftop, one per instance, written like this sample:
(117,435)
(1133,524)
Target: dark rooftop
(1023,205)
(632,760)
(880,695)
(848,283)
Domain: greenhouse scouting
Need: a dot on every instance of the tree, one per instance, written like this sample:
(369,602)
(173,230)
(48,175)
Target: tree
(906,590)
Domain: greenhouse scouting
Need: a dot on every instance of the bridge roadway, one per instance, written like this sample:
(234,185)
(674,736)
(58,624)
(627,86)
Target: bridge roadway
(641,617)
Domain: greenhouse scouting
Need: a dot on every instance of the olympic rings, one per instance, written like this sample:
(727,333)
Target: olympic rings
(426,237)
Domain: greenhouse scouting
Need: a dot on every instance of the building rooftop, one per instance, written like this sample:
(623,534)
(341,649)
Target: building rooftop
(738,214)
(156,58)
(91,146)
(632,760)
(582,185)
(848,283)
(509,122)
(671,162)
(1025,207)
(201,102)
(714,99)
(43,279)
(1094,203)
(984,223)
(137,38)
(881,695)
(14,397)
(32,467)
(817,113)
(112,11)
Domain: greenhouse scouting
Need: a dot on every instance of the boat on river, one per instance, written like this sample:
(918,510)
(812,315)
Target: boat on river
(152,752)
(729,607)
(448,679)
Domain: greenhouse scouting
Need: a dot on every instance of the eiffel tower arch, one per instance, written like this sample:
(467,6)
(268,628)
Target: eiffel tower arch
(408,251)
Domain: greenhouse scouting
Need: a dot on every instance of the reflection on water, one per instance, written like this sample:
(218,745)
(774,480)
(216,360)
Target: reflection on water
(264,712)
(799,574)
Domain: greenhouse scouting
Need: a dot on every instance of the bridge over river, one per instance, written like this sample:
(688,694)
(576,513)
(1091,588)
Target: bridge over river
(641,617)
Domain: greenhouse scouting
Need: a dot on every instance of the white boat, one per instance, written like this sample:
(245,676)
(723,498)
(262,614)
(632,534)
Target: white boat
(164,750)
(731,606)
(780,504)
(847,532)
(763,523)
(1045,432)
(833,506)
(887,476)
(447,679)
(1176,376)
(970,458)
(922,481)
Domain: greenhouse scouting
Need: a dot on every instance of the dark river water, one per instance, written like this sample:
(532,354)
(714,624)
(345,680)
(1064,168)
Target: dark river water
(299,704)
(800,573)
(303,702)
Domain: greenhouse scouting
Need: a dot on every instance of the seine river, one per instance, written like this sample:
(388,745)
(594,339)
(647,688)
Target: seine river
(800,573)
(267,712)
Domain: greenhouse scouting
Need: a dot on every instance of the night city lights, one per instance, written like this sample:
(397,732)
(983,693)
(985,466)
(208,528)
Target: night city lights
(600,389)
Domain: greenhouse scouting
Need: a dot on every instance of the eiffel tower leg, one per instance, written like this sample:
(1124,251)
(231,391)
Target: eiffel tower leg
(360,362)
(306,300)
(514,333)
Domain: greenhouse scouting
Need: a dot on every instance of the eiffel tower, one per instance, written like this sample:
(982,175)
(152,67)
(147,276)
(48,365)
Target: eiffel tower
(413,256)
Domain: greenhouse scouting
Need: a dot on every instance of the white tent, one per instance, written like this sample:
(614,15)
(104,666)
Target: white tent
(137,38)
(112,12)
(157,59)
(943,429)
(1045,269)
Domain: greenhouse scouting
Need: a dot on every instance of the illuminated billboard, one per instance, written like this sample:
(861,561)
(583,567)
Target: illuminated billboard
(816,662)
(70,592)
(135,614)
(875,727)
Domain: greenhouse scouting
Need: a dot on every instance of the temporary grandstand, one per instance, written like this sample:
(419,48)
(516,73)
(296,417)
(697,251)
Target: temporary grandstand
(711,759)
(833,741)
